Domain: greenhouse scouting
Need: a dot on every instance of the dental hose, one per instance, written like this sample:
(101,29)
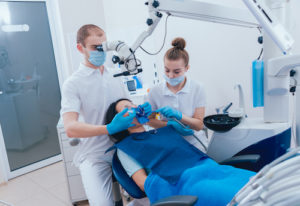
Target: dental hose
(185,127)
(5,203)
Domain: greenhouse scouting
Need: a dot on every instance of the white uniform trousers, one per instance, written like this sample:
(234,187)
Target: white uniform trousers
(97,182)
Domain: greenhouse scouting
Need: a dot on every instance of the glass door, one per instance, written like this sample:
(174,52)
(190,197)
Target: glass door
(29,87)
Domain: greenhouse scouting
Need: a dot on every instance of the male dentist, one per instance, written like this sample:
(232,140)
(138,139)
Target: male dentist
(88,92)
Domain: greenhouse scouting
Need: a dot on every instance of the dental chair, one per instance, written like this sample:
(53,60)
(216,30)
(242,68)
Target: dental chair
(134,191)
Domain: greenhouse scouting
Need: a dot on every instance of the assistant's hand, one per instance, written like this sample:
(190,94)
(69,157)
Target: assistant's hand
(169,112)
(120,123)
(180,129)
(147,108)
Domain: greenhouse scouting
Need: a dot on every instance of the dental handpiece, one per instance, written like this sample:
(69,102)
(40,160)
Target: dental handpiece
(184,126)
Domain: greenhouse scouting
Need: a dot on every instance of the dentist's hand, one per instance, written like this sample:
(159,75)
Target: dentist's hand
(147,108)
(120,123)
(180,129)
(169,112)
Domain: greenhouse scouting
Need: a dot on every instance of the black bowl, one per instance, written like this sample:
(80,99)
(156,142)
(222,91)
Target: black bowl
(221,122)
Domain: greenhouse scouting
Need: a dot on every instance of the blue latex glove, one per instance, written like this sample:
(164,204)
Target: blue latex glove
(147,108)
(120,123)
(180,129)
(140,114)
(169,112)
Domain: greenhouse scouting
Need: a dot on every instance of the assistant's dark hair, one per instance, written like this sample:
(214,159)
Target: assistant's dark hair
(110,114)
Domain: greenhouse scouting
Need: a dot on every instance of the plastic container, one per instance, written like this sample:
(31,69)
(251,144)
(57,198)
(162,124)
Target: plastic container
(258,83)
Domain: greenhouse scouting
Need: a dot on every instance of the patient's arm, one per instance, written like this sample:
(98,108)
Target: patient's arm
(139,177)
(133,169)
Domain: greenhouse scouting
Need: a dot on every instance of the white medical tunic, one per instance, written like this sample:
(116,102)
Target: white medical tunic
(89,93)
(190,97)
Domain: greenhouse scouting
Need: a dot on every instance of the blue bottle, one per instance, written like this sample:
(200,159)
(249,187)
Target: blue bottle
(258,83)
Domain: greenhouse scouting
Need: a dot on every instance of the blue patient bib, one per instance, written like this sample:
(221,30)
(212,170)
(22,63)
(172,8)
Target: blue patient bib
(165,152)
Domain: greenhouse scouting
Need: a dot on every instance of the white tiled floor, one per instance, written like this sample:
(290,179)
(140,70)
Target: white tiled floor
(46,187)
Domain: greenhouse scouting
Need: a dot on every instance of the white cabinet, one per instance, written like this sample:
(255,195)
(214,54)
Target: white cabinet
(75,186)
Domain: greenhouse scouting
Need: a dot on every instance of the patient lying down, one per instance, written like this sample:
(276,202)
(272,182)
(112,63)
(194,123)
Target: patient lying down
(162,164)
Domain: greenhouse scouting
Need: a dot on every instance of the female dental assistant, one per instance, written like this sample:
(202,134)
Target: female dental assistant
(179,96)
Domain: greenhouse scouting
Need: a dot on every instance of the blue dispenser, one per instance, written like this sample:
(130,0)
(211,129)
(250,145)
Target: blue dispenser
(138,82)
(258,83)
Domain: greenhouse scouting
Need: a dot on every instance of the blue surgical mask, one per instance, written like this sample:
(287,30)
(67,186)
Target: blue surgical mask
(97,58)
(174,81)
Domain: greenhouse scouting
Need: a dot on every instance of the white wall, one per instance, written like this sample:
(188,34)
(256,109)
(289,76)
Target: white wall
(294,25)
(74,14)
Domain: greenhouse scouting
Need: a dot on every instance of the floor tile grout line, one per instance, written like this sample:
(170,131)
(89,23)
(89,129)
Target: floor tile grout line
(42,187)
(50,193)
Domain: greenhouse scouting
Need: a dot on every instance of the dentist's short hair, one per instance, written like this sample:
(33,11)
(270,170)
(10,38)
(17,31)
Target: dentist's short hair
(86,30)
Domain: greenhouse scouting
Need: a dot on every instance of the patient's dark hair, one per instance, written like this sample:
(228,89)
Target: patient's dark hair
(110,114)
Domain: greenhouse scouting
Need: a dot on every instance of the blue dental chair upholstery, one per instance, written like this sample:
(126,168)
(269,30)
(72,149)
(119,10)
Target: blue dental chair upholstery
(124,180)
(134,191)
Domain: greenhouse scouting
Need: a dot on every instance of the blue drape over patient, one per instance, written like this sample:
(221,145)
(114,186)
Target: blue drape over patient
(178,168)
(164,152)
(213,184)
